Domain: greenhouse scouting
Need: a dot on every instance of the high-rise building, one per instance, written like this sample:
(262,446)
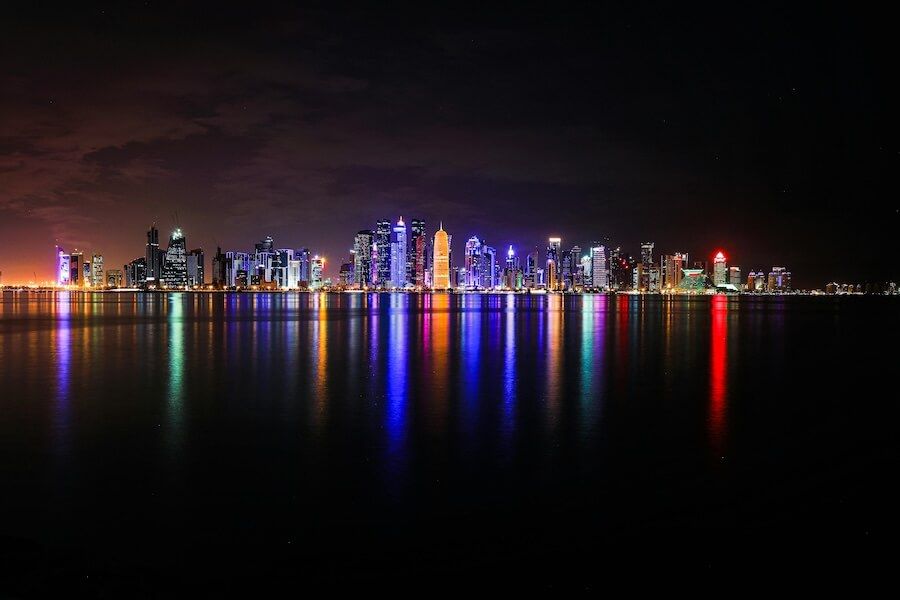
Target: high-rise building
(317,272)
(219,265)
(63,270)
(473,263)
(362,258)
(416,259)
(383,250)
(305,257)
(531,269)
(512,273)
(97,279)
(734,276)
(174,267)
(136,272)
(672,267)
(153,256)
(237,269)
(553,259)
(196,268)
(398,255)
(114,278)
(599,273)
(779,280)
(647,254)
(490,267)
(587,275)
(441,271)
(75,272)
(266,245)
(345,275)
(86,277)
(720,270)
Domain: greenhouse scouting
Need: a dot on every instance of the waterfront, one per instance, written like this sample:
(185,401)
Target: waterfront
(352,433)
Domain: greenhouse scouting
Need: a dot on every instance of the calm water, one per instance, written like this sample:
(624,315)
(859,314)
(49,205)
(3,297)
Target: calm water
(144,437)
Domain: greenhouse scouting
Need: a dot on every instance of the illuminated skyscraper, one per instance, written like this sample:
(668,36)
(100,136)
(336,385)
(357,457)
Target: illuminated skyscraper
(720,270)
(86,277)
(473,263)
(552,264)
(63,272)
(398,255)
(196,268)
(75,273)
(153,256)
(174,268)
(490,267)
(599,273)
(383,243)
(647,254)
(362,258)
(734,276)
(317,272)
(441,276)
(305,257)
(416,257)
(97,279)
(136,272)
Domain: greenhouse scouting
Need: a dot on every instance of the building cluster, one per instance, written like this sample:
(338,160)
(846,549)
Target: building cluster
(397,256)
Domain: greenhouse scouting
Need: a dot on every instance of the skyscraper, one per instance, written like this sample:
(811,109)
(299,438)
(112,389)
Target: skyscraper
(599,274)
(720,271)
(734,276)
(63,272)
(174,268)
(398,255)
(75,272)
(441,275)
(218,269)
(647,254)
(383,248)
(416,256)
(97,279)
(152,257)
(317,272)
(136,272)
(362,258)
(196,268)
(553,257)
(473,263)
(490,268)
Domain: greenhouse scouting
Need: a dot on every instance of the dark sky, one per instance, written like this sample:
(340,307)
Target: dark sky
(768,131)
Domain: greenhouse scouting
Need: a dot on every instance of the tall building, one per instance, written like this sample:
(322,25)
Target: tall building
(512,274)
(720,270)
(553,258)
(114,278)
(63,270)
(398,255)
(734,276)
(599,273)
(136,272)
(416,256)
(75,272)
(362,258)
(86,277)
(305,257)
(779,280)
(531,269)
(174,268)
(266,245)
(490,268)
(473,263)
(97,279)
(219,269)
(441,270)
(383,250)
(237,269)
(317,272)
(196,268)
(647,254)
(153,256)
(672,267)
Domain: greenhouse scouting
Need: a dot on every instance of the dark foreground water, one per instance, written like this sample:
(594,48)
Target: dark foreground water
(155,440)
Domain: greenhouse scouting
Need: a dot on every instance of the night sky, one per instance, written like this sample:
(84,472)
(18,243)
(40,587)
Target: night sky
(768,131)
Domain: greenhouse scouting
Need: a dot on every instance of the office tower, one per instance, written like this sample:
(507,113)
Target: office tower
(398,255)
(86,274)
(219,265)
(553,258)
(720,271)
(441,272)
(345,275)
(363,243)
(237,269)
(653,279)
(599,274)
(97,279)
(196,268)
(305,258)
(281,261)
(587,275)
(672,266)
(779,280)
(531,267)
(75,276)
(174,266)
(63,270)
(489,266)
(383,243)
(734,276)
(152,256)
(317,272)
(512,274)
(136,272)
(114,278)
(647,254)
(473,264)
(415,258)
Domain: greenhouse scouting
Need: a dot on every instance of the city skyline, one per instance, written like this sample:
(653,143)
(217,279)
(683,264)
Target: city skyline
(278,123)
